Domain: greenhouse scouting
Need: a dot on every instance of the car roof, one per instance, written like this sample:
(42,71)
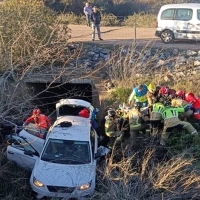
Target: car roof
(181,5)
(78,102)
(79,130)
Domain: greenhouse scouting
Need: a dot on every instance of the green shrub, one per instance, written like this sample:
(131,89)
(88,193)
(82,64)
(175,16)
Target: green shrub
(120,94)
(73,19)
(109,20)
(141,20)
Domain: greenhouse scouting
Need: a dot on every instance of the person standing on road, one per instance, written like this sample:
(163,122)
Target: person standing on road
(96,19)
(87,11)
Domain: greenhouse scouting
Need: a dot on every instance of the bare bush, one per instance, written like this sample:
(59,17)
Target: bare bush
(148,178)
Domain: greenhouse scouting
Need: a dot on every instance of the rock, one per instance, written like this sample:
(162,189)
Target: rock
(175,52)
(105,51)
(196,63)
(197,68)
(167,54)
(191,53)
(181,59)
(197,58)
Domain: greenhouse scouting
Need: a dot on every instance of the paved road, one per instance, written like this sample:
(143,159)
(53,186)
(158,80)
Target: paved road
(126,36)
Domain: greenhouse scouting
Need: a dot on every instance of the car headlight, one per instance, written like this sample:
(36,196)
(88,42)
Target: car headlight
(37,183)
(84,186)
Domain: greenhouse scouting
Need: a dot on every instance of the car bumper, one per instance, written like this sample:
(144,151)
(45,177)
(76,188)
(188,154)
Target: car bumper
(158,33)
(44,192)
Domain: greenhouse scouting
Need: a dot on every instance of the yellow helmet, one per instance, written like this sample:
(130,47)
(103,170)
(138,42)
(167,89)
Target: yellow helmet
(151,87)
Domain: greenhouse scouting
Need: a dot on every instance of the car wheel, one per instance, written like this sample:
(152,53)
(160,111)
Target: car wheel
(167,36)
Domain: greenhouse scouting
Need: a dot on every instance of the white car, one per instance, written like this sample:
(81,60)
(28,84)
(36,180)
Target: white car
(65,107)
(178,21)
(66,166)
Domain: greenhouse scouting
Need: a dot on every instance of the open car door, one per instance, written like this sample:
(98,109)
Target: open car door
(36,142)
(72,107)
(21,152)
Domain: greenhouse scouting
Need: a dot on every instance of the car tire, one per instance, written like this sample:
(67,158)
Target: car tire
(167,36)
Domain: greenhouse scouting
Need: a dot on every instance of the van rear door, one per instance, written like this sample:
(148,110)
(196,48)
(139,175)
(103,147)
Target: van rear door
(194,26)
(182,19)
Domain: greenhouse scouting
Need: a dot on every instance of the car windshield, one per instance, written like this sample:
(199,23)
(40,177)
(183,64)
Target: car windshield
(67,152)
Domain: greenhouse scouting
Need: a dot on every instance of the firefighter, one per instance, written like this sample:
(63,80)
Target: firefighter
(165,92)
(138,122)
(41,122)
(178,102)
(192,100)
(113,128)
(151,94)
(156,117)
(171,121)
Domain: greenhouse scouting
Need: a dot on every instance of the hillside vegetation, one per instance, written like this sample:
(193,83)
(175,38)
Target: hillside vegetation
(116,7)
(34,37)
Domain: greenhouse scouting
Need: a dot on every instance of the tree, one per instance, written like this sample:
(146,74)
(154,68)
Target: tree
(33,40)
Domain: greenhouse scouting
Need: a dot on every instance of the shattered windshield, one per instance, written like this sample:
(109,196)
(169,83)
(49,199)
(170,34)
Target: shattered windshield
(67,152)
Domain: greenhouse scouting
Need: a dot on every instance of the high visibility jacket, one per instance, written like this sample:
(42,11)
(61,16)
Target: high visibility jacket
(139,96)
(157,110)
(170,112)
(41,121)
(112,126)
(192,99)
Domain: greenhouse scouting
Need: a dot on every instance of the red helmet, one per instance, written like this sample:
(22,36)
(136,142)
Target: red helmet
(36,111)
(180,94)
(164,90)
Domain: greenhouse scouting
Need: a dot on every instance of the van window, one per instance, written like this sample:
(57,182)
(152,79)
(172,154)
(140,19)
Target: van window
(183,14)
(198,14)
(168,14)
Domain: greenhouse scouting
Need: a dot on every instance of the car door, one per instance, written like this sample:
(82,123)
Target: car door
(182,22)
(195,25)
(22,153)
(36,142)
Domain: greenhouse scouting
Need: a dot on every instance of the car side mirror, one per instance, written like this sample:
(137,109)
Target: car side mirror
(28,152)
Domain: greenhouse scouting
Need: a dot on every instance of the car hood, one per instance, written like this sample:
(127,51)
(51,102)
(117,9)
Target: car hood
(62,174)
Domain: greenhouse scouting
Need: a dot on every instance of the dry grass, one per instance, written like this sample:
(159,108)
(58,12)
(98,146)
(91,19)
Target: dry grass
(128,68)
(147,178)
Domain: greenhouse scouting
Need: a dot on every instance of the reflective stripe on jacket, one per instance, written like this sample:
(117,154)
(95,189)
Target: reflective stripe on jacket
(170,112)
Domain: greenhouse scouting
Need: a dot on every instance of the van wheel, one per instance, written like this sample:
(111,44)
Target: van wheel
(167,36)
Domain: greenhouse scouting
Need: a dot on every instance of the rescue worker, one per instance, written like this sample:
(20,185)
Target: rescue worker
(156,117)
(191,99)
(177,102)
(151,94)
(84,113)
(171,121)
(113,128)
(41,122)
(166,91)
(122,111)
(137,121)
(139,95)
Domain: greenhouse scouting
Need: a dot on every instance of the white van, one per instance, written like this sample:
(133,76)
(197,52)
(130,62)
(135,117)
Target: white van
(178,21)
